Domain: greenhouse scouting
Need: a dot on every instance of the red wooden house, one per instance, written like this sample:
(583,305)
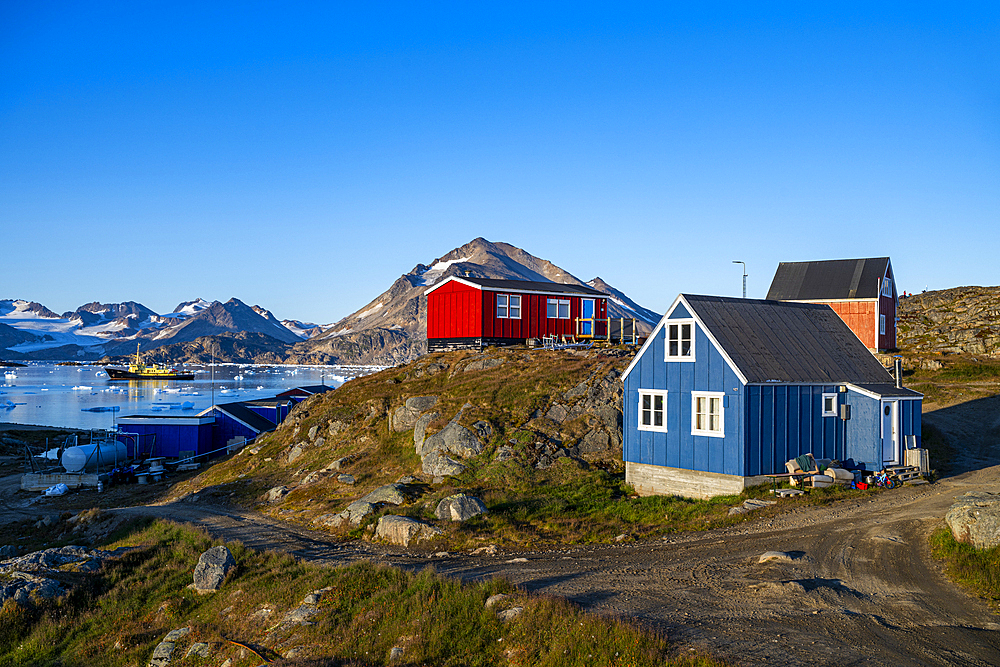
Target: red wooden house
(475,312)
(861,291)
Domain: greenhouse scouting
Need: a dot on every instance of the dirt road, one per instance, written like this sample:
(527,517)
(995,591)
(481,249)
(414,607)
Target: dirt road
(861,587)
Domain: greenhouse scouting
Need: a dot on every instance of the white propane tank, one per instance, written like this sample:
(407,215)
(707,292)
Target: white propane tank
(110,454)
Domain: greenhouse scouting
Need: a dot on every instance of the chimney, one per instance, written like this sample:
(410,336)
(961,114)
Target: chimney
(897,366)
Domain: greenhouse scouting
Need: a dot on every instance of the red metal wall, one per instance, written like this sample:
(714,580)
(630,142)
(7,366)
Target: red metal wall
(455,311)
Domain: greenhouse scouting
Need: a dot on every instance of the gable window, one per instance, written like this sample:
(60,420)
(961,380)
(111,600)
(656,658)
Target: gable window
(829,405)
(887,287)
(557,309)
(881,323)
(652,410)
(707,413)
(680,341)
(509,306)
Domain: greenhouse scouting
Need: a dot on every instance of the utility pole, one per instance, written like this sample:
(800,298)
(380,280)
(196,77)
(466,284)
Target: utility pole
(736,261)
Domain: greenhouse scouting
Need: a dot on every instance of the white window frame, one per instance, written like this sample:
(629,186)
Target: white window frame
(506,306)
(887,287)
(829,413)
(653,394)
(559,305)
(709,396)
(881,324)
(668,332)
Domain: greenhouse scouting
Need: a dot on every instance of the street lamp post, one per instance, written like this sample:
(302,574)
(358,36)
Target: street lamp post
(736,261)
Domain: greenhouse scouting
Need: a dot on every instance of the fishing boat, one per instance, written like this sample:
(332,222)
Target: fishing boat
(140,371)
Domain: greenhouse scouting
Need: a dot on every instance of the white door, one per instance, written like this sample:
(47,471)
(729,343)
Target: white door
(890,432)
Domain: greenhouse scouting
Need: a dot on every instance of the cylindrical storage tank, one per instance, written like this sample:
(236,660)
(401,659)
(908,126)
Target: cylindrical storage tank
(83,458)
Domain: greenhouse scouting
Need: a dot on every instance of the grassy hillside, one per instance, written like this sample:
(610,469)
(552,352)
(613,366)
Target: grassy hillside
(550,470)
(364,615)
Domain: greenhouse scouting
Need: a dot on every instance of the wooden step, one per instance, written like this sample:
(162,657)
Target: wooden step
(896,470)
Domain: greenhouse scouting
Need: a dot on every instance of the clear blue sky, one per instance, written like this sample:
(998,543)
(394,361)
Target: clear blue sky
(303,156)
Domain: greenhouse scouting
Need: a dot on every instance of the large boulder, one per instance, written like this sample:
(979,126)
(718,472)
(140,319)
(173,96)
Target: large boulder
(975,518)
(393,494)
(420,431)
(212,568)
(454,439)
(405,416)
(437,464)
(459,507)
(402,530)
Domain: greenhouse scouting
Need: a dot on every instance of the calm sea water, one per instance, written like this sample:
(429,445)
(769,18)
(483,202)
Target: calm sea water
(45,394)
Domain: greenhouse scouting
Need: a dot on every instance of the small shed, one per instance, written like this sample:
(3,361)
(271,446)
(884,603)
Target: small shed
(166,435)
(468,312)
(861,291)
(727,390)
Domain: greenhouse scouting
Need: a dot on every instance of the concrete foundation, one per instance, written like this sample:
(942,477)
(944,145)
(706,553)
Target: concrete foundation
(650,480)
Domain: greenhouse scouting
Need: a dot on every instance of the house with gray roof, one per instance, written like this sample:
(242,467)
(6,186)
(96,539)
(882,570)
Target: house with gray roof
(727,390)
(861,291)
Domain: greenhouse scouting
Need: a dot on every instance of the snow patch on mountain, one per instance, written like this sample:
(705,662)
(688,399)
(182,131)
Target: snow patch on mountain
(432,274)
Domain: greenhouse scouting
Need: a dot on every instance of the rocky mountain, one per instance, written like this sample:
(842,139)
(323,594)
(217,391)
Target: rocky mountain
(399,313)
(10,336)
(28,330)
(960,320)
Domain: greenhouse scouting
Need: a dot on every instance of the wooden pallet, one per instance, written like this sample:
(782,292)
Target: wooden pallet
(905,473)
(786,493)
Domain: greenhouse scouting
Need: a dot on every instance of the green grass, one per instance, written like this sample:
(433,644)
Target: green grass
(118,615)
(978,570)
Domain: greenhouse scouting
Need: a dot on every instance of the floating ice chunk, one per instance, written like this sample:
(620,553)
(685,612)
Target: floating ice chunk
(82,388)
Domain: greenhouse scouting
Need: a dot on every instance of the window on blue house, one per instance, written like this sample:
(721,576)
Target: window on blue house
(829,405)
(680,341)
(652,410)
(707,413)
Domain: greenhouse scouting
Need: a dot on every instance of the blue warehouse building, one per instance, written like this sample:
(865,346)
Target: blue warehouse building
(727,390)
(166,435)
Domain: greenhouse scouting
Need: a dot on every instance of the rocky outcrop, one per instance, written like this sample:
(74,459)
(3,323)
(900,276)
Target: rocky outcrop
(35,577)
(960,320)
(459,507)
(212,568)
(975,519)
(402,530)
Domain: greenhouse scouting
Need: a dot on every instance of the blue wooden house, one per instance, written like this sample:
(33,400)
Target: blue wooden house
(726,390)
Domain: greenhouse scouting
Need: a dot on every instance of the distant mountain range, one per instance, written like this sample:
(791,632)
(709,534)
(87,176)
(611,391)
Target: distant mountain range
(388,330)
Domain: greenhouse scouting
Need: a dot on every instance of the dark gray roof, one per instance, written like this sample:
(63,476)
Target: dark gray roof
(829,279)
(889,390)
(244,414)
(533,286)
(775,341)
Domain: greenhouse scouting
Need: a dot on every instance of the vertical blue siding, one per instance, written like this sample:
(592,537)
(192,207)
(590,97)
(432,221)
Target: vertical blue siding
(678,448)
(785,421)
